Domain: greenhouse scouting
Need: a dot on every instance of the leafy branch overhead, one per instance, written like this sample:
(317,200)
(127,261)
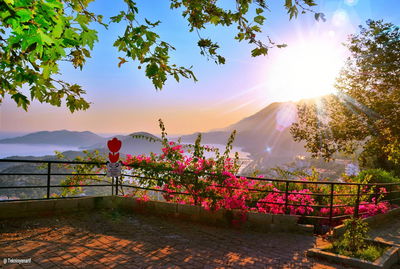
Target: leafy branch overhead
(36,35)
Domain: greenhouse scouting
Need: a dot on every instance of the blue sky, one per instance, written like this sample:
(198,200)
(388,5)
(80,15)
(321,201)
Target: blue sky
(125,101)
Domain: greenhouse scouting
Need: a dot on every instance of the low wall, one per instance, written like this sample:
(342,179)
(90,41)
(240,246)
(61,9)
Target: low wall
(223,218)
(40,208)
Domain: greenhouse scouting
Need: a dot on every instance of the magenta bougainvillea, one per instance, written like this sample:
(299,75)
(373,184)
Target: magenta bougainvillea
(212,184)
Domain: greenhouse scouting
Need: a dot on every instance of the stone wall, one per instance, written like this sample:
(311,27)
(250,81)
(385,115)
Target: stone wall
(223,218)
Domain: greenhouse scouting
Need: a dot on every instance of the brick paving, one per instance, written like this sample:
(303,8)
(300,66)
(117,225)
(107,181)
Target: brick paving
(115,240)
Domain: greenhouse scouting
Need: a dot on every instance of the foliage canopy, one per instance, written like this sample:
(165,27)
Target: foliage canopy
(35,35)
(364,114)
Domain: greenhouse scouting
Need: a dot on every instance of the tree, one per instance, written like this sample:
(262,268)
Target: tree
(364,115)
(35,35)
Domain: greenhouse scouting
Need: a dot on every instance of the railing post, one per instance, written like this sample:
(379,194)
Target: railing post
(112,186)
(357,205)
(376,191)
(286,197)
(116,186)
(331,205)
(48,179)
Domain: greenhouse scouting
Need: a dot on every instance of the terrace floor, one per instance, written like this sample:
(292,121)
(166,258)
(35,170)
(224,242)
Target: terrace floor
(388,232)
(108,239)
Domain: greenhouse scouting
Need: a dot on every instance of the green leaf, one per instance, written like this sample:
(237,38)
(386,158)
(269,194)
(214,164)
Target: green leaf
(24,14)
(151,36)
(89,37)
(221,60)
(83,20)
(310,3)
(86,52)
(58,29)
(47,70)
(71,34)
(293,11)
(256,28)
(240,36)
(118,18)
(21,100)
(5,14)
(288,4)
(130,16)
(259,51)
(54,4)
(39,50)
(151,23)
(259,19)
(45,38)
(151,70)
(176,77)
(215,20)
(30,41)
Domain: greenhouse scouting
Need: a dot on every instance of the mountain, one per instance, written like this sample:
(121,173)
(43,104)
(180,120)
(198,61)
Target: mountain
(62,137)
(131,145)
(265,134)
(84,141)
(69,156)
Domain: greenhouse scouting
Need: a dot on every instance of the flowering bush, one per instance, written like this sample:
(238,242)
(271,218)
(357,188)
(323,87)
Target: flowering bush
(299,203)
(365,210)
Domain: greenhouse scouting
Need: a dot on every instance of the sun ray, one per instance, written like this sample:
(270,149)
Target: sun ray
(356,106)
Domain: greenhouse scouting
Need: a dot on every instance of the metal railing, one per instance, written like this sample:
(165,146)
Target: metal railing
(49,164)
(356,191)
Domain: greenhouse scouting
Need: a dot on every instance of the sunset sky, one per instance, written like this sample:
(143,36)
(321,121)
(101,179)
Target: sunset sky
(124,100)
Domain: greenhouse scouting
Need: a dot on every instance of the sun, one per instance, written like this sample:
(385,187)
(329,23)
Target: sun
(304,70)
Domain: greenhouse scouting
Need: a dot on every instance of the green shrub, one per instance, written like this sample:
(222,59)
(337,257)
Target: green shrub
(356,231)
(382,176)
(354,243)
(378,176)
(370,253)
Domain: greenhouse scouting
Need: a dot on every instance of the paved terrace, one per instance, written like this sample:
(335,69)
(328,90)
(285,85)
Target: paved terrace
(111,239)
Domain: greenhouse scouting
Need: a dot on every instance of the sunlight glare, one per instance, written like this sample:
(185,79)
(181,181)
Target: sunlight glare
(340,18)
(304,70)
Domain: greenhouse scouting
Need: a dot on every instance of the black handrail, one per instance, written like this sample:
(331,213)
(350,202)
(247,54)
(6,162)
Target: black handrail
(253,178)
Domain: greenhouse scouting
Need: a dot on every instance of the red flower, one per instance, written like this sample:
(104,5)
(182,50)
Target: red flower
(114,145)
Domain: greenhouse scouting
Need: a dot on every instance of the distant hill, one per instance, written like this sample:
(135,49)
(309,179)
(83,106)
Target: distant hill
(83,141)
(69,156)
(62,137)
(131,145)
(265,134)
